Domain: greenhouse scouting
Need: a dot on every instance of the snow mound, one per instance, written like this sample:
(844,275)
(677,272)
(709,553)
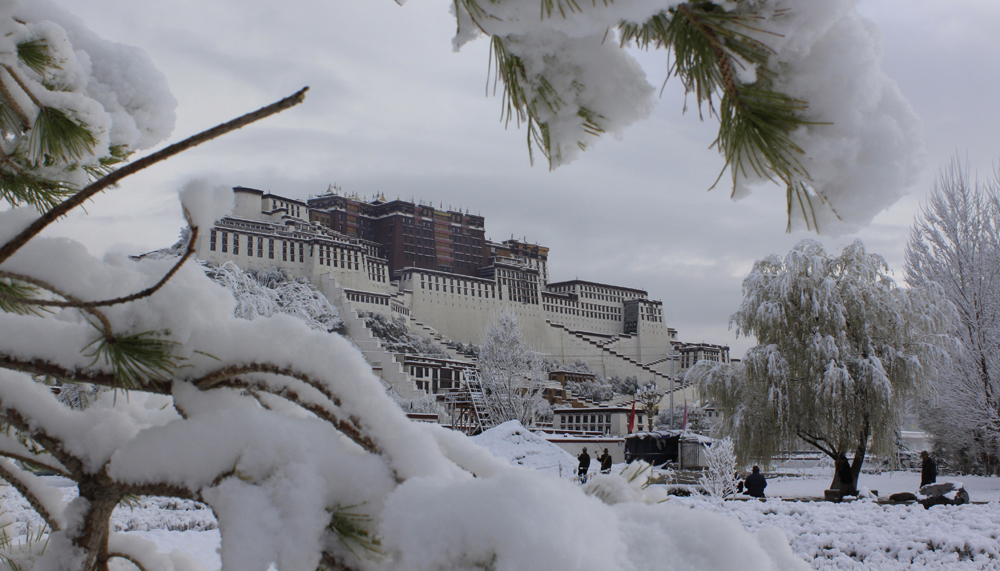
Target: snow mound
(516,444)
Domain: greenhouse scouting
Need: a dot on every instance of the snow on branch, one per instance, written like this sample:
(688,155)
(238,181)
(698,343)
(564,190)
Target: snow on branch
(797,87)
(44,499)
(11,447)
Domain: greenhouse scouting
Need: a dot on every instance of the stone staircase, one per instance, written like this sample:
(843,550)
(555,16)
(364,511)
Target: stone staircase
(603,347)
(383,362)
(683,390)
(445,343)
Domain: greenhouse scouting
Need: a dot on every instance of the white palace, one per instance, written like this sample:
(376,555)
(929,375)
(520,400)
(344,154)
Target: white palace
(436,269)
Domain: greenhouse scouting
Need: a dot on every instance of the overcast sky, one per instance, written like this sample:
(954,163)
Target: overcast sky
(393,109)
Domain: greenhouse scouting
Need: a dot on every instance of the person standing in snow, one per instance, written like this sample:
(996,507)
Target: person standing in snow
(605,460)
(584,459)
(755,483)
(928,469)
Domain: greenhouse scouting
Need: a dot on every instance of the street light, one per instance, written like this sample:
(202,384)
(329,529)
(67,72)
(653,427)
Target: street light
(673,385)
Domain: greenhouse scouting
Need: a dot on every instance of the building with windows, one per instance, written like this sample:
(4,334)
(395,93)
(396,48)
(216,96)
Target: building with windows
(435,269)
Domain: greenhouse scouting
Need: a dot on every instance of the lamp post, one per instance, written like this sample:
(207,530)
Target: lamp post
(672,386)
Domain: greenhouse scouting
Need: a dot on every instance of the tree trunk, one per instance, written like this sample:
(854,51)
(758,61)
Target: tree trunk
(103,494)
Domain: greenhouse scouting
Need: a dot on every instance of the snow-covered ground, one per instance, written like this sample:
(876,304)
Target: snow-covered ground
(850,535)
(810,483)
(866,535)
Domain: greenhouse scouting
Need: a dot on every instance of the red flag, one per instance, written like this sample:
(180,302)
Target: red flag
(684,424)
(631,418)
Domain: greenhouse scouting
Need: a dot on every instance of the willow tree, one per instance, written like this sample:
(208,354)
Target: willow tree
(840,347)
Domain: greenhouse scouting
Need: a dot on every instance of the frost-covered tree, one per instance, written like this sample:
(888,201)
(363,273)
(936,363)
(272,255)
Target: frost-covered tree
(511,372)
(719,479)
(262,293)
(697,418)
(627,386)
(284,431)
(397,337)
(774,73)
(955,243)
(840,348)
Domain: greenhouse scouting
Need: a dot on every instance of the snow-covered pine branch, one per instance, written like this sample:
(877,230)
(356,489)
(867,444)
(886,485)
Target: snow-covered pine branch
(797,87)
(397,337)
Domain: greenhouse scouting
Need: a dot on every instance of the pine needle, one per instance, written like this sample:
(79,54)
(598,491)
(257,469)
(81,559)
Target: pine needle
(136,359)
(351,528)
(106,165)
(755,120)
(58,138)
(14,289)
(17,187)
(35,54)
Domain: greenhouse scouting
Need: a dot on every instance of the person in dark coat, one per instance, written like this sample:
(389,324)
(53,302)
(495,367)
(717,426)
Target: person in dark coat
(605,460)
(845,476)
(755,483)
(928,469)
(584,459)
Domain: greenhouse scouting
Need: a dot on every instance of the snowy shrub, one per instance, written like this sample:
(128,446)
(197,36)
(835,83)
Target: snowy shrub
(719,478)
(626,386)
(697,418)
(424,404)
(396,336)
(467,349)
(262,293)
(592,390)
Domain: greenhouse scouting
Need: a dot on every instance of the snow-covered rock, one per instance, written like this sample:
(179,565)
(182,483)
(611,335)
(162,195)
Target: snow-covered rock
(516,444)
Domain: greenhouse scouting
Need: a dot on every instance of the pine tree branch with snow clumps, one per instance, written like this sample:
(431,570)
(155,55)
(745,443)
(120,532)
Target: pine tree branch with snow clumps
(796,86)
(284,431)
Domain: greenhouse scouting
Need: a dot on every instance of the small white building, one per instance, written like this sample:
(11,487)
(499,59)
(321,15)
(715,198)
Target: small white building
(605,420)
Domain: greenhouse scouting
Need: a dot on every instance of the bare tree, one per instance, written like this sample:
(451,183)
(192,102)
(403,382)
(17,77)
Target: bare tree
(955,242)
(511,373)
